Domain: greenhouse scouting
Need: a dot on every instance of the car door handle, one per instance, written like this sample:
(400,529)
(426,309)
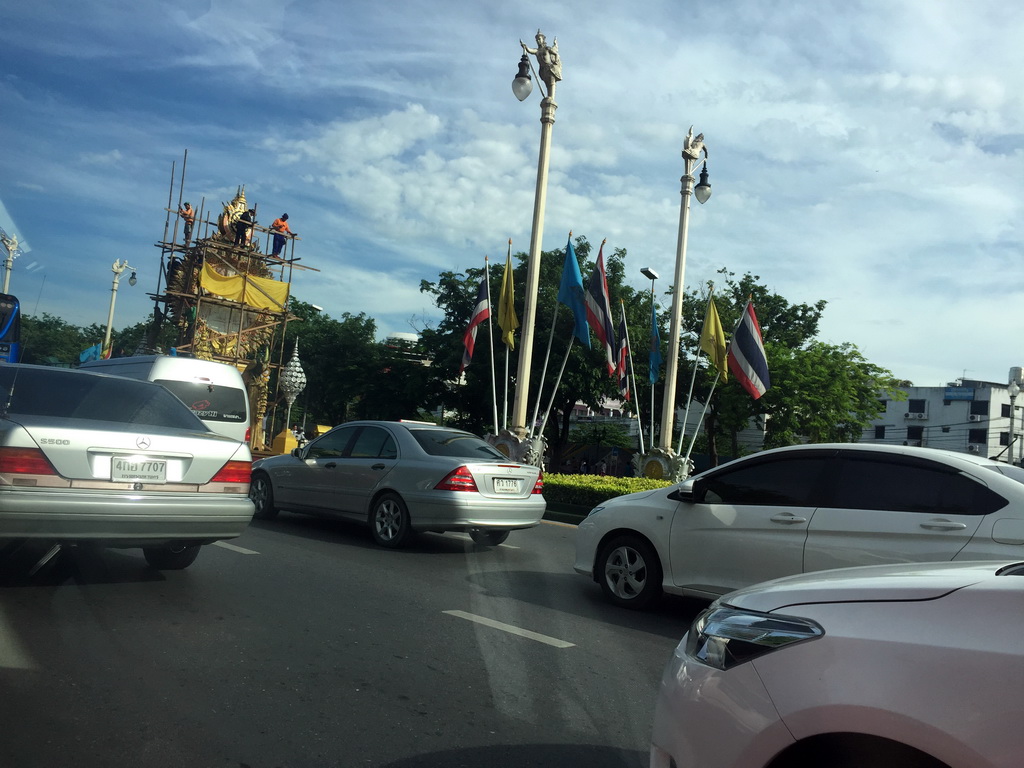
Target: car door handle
(330,465)
(788,519)
(943,525)
(378,466)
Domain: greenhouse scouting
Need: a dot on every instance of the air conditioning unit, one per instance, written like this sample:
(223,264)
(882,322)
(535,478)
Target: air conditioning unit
(912,442)
(974,417)
(973,447)
(922,415)
(909,415)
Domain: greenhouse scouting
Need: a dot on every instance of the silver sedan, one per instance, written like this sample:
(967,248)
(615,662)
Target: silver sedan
(117,462)
(403,477)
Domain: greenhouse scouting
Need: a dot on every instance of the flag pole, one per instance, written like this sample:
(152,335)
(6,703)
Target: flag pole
(490,337)
(558,381)
(544,371)
(693,378)
(700,421)
(632,371)
(504,404)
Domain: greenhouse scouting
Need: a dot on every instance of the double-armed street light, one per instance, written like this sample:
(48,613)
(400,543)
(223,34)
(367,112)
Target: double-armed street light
(549,72)
(118,268)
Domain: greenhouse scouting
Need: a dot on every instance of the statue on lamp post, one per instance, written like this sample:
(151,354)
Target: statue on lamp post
(549,63)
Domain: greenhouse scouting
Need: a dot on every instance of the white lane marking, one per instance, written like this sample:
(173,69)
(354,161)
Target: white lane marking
(467,537)
(511,629)
(235,548)
(12,655)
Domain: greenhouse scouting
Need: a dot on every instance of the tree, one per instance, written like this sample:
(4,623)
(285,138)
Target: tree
(819,392)
(341,360)
(585,379)
(49,340)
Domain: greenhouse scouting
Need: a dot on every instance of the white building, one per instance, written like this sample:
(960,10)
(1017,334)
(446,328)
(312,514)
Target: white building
(967,416)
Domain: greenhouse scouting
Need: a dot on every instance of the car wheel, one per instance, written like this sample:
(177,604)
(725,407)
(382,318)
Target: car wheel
(488,538)
(389,521)
(171,558)
(262,495)
(629,572)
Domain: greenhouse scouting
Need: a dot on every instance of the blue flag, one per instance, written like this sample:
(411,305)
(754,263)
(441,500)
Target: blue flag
(95,352)
(655,357)
(570,293)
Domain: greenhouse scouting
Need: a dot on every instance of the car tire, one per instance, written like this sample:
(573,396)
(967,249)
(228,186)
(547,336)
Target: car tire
(629,572)
(389,521)
(261,493)
(487,538)
(174,557)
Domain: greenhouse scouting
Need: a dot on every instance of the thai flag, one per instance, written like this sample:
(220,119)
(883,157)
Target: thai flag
(623,357)
(481,312)
(747,360)
(599,311)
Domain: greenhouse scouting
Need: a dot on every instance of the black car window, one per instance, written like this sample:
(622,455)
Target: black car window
(884,483)
(210,402)
(74,395)
(333,445)
(789,481)
(450,442)
(374,443)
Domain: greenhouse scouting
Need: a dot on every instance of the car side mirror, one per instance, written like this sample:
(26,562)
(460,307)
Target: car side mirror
(689,492)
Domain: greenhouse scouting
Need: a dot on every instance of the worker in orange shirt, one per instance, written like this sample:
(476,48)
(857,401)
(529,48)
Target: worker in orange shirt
(281,232)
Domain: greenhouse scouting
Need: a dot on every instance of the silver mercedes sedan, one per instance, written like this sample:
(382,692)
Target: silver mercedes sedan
(86,457)
(400,477)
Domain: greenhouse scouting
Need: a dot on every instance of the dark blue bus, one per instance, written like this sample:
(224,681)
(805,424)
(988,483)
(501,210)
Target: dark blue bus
(10,328)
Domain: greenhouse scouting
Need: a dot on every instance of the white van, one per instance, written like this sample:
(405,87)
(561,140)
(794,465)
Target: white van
(214,391)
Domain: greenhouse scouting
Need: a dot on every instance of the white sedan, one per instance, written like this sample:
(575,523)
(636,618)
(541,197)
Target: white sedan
(798,509)
(912,666)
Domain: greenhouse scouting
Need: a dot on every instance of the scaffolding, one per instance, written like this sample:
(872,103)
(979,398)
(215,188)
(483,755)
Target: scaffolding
(226,296)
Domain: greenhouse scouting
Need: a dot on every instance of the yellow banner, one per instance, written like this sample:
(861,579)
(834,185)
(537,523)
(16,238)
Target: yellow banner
(259,292)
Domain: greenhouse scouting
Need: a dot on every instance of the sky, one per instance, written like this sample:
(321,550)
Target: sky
(864,153)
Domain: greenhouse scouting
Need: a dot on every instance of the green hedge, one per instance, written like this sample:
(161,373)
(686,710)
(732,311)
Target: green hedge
(591,490)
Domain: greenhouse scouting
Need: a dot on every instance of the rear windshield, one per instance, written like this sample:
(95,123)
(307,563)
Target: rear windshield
(208,401)
(74,395)
(443,442)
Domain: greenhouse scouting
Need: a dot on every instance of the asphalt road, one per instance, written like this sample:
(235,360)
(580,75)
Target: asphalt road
(304,644)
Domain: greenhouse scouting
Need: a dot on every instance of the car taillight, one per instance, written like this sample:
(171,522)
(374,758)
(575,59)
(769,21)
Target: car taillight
(458,480)
(25,461)
(248,433)
(538,487)
(234,472)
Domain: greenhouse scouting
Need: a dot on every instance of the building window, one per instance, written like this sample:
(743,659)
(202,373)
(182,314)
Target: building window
(977,436)
(945,429)
(1004,410)
(917,406)
(880,433)
(1004,438)
(915,433)
(979,407)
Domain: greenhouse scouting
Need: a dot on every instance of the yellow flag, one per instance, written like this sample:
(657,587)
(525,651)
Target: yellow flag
(712,340)
(506,304)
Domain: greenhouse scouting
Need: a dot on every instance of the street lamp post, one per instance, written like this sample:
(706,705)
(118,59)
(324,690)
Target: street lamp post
(11,246)
(1014,390)
(693,147)
(118,267)
(550,72)
(652,275)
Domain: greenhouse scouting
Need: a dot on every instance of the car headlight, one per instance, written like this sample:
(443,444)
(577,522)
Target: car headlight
(724,637)
(594,511)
